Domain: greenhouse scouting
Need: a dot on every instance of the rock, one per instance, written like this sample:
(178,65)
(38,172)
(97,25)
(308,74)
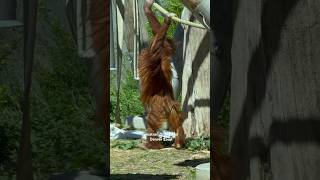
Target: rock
(203,171)
(81,175)
(136,122)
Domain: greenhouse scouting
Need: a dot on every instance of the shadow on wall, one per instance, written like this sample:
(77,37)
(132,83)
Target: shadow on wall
(273,17)
(200,56)
(297,130)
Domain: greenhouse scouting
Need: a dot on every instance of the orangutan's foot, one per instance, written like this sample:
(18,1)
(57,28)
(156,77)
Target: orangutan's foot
(153,145)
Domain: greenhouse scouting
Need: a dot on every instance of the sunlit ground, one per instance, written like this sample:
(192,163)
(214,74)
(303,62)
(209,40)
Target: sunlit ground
(166,163)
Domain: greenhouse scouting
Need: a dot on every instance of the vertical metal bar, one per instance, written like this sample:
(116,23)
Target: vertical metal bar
(135,42)
(119,66)
(137,34)
(114,37)
(24,169)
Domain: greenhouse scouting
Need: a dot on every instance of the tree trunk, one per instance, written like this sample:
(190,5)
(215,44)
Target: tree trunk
(275,90)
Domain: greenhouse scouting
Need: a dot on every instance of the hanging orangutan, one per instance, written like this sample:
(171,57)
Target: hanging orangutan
(155,79)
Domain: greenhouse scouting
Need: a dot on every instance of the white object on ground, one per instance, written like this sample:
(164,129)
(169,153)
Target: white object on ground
(117,133)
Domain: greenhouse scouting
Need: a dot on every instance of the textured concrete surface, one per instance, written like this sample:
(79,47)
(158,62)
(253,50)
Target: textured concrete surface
(203,171)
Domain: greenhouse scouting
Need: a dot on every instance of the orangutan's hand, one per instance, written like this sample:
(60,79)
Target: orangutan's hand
(148,5)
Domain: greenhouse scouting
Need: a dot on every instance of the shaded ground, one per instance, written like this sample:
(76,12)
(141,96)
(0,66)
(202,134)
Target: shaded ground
(162,164)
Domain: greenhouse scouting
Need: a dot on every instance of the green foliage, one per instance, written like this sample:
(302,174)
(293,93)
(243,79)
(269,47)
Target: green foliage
(130,103)
(124,145)
(64,135)
(6,49)
(173,6)
(8,149)
(5,98)
(130,99)
(8,131)
(10,115)
(193,174)
(201,143)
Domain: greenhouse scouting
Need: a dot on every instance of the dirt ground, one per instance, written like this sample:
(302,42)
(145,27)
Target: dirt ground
(164,164)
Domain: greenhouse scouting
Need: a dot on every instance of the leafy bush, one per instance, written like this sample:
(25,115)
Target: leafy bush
(64,135)
(124,145)
(130,103)
(201,143)
(10,113)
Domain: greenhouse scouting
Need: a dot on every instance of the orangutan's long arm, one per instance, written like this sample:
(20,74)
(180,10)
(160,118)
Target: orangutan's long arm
(155,24)
(160,37)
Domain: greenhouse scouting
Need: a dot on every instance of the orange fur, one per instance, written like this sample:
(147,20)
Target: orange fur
(156,89)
